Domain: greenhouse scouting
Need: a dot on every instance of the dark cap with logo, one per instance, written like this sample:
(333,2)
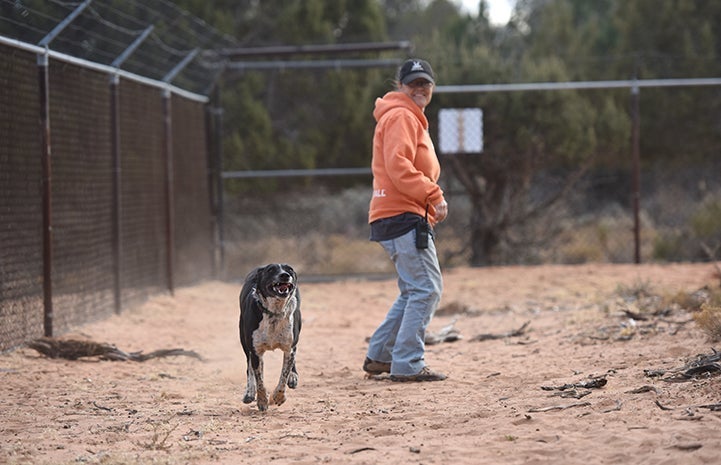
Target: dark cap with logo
(415,68)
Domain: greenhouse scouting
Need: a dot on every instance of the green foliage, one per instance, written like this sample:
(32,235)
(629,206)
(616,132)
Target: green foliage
(706,220)
(300,118)
(668,246)
(698,239)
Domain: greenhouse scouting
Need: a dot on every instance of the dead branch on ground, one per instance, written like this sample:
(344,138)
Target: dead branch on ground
(446,334)
(702,366)
(598,382)
(515,333)
(72,349)
(558,407)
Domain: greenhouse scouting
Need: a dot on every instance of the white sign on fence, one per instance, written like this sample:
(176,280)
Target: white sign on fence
(460,130)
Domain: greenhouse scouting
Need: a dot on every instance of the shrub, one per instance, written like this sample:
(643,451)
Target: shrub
(709,319)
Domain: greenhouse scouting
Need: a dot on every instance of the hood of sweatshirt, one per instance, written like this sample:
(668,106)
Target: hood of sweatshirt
(397,99)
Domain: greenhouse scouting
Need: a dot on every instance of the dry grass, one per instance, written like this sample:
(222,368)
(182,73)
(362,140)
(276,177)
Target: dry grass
(709,319)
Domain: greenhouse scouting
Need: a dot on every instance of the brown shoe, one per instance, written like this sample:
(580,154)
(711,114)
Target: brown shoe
(426,374)
(376,368)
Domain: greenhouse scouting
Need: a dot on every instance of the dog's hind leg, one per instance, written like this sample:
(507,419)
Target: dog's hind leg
(285,374)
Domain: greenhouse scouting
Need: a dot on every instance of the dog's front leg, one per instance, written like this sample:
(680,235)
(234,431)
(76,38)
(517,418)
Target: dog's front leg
(250,388)
(262,394)
(288,363)
(293,375)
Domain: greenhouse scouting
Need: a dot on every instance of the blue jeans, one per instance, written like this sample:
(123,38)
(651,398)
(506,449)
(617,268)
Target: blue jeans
(400,338)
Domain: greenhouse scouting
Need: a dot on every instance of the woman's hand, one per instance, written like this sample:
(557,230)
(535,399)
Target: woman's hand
(441,209)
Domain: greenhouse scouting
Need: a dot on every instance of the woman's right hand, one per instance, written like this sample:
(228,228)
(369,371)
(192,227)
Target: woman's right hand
(441,209)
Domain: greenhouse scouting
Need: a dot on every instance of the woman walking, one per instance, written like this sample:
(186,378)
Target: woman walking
(407,202)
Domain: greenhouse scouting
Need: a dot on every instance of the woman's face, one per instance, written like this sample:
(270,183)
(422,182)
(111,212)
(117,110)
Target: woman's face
(420,91)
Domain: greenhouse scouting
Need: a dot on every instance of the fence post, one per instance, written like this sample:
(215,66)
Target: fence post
(214,140)
(636,182)
(169,190)
(44,84)
(116,197)
(219,186)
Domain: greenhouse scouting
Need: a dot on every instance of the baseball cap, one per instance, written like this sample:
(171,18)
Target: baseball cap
(415,68)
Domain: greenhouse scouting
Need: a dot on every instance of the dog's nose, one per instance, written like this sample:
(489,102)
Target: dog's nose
(285,275)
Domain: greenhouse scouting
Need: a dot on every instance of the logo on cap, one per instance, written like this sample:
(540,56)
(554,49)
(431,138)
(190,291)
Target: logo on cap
(417,66)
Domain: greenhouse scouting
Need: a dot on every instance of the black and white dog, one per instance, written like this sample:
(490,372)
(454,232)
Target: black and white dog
(269,320)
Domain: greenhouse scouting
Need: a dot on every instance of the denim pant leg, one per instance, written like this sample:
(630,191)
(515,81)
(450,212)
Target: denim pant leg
(400,338)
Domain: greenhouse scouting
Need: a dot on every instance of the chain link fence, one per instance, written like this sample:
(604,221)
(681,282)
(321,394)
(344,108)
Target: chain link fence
(108,201)
(322,230)
(21,220)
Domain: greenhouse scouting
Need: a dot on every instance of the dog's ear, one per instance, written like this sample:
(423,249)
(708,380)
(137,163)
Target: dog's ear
(255,276)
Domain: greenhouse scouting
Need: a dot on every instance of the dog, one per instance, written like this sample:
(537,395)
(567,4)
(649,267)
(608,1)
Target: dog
(270,319)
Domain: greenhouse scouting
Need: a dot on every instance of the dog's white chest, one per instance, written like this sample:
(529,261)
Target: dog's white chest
(273,333)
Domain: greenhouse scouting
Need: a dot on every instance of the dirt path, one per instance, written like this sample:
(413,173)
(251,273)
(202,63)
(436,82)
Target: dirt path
(491,410)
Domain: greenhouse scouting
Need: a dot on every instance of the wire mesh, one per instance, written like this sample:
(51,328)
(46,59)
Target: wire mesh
(21,265)
(193,239)
(81,195)
(143,229)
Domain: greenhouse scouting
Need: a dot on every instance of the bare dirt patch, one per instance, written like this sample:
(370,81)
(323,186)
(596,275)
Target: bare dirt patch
(492,409)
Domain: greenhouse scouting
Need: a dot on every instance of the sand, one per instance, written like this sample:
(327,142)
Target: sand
(492,409)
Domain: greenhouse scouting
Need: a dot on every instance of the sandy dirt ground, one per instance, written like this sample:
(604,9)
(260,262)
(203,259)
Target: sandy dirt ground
(492,409)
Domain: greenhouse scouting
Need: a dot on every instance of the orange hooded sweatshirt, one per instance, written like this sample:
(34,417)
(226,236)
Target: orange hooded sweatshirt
(405,166)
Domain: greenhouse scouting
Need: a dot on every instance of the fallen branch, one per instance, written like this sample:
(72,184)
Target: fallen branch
(360,449)
(712,407)
(576,394)
(686,447)
(71,349)
(645,388)
(703,366)
(587,384)
(446,334)
(514,333)
(662,407)
(558,407)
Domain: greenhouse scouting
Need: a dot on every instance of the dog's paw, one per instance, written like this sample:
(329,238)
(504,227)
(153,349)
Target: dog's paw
(262,400)
(293,380)
(248,399)
(279,397)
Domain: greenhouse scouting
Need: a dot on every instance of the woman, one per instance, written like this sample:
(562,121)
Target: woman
(406,203)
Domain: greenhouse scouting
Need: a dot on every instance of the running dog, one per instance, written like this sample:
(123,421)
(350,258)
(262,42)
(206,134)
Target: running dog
(269,320)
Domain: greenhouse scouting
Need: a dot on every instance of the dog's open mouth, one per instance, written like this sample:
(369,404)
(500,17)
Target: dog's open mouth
(283,288)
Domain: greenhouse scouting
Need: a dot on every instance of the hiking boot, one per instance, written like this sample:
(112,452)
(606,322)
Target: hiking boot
(426,374)
(376,368)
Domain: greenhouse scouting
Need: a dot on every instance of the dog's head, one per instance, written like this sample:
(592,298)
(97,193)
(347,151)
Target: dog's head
(276,280)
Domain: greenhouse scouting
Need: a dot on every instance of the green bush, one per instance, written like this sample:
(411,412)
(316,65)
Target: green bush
(706,220)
